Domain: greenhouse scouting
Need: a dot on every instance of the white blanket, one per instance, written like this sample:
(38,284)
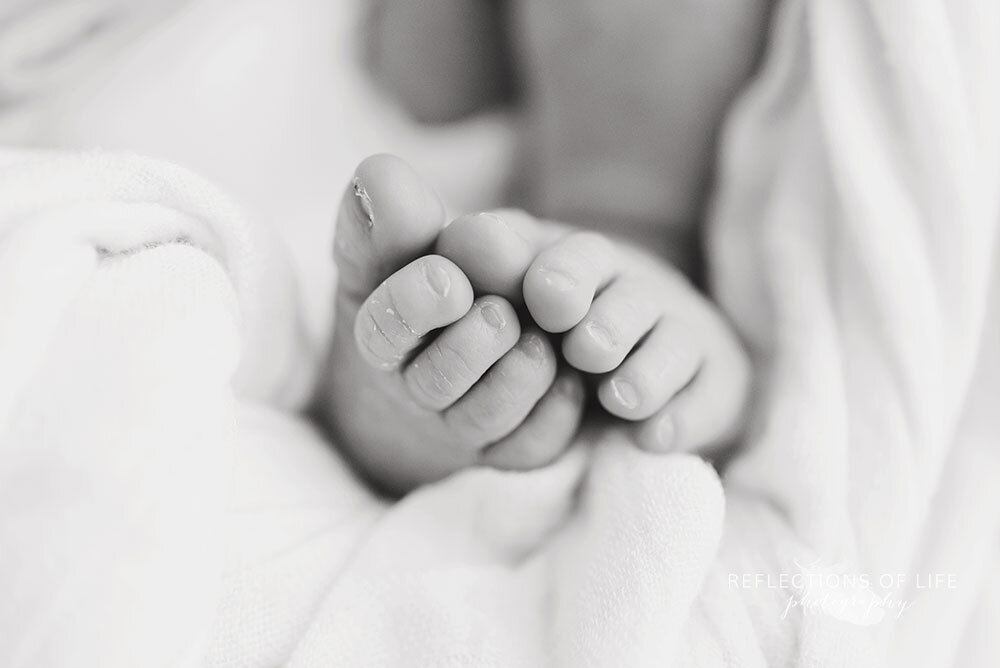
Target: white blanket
(160,504)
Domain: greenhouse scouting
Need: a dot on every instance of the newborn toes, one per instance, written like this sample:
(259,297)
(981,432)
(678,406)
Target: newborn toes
(427,294)
(655,371)
(546,432)
(560,285)
(506,394)
(493,254)
(618,319)
(461,354)
(704,414)
(496,248)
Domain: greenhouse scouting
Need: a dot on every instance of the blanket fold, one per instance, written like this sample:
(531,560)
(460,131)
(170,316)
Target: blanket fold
(133,301)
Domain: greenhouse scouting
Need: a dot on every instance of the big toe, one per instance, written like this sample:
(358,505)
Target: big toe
(388,217)
(495,249)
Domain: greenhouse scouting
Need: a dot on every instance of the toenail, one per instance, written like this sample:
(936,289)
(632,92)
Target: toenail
(437,278)
(501,220)
(600,335)
(492,315)
(666,431)
(625,393)
(557,280)
(533,347)
(365,200)
(488,215)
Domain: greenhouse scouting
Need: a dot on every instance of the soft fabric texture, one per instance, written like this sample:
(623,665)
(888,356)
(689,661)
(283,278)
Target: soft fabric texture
(162,504)
(854,244)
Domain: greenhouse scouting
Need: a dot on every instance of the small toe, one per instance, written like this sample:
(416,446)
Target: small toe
(492,253)
(561,283)
(547,431)
(496,248)
(506,394)
(655,371)
(703,416)
(427,294)
(451,364)
(618,319)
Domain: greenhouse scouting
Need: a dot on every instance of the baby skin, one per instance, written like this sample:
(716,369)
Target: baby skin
(475,343)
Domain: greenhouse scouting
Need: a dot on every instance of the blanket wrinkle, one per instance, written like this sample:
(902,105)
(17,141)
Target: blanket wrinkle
(876,278)
(120,186)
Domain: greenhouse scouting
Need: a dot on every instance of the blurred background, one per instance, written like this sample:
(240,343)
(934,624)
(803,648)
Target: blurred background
(267,99)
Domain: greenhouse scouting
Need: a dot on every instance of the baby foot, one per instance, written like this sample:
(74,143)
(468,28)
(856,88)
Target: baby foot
(425,378)
(663,355)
